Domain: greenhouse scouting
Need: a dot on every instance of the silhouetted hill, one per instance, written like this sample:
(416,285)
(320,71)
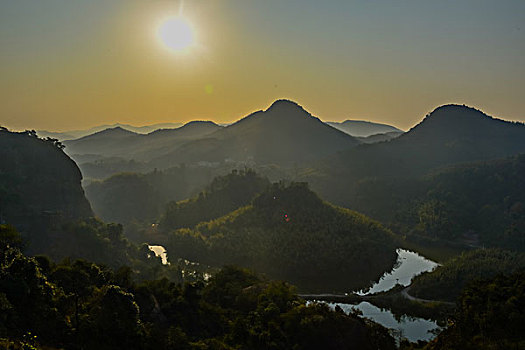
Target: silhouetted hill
(380,137)
(283,133)
(41,196)
(224,194)
(39,189)
(38,179)
(289,233)
(104,142)
(450,134)
(361,128)
(119,142)
(369,178)
(196,128)
(76,134)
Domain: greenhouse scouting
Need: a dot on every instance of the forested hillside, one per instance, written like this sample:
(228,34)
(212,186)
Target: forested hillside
(38,179)
(283,134)
(223,195)
(41,196)
(489,316)
(120,142)
(289,233)
(76,304)
(476,204)
(451,134)
(447,281)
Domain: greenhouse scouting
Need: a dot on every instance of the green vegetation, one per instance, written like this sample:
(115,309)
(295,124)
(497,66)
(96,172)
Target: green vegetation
(223,195)
(401,306)
(81,305)
(457,208)
(37,180)
(124,198)
(447,281)
(289,233)
(420,185)
(490,316)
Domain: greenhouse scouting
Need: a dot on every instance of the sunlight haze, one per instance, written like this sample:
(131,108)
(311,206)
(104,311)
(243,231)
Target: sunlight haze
(75,64)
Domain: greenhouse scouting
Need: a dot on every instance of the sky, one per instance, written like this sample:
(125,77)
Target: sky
(73,64)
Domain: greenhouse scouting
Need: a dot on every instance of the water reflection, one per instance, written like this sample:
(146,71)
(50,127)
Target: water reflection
(409,264)
(411,328)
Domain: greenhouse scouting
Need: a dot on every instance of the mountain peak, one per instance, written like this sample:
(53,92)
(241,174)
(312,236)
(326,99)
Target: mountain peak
(116,131)
(460,122)
(285,105)
(199,122)
(455,111)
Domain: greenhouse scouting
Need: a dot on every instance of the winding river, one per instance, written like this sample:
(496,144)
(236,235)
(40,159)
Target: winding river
(408,265)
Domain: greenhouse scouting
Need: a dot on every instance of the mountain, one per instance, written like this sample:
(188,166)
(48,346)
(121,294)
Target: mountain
(361,128)
(196,128)
(103,142)
(477,204)
(380,137)
(223,195)
(375,178)
(39,190)
(450,134)
(448,280)
(38,179)
(289,233)
(75,134)
(284,133)
(119,142)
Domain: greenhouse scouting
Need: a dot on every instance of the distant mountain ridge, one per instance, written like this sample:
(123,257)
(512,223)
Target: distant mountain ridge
(119,142)
(450,134)
(361,128)
(75,134)
(283,133)
(380,137)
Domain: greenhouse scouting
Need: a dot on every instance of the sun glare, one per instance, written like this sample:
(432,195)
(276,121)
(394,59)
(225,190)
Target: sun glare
(176,34)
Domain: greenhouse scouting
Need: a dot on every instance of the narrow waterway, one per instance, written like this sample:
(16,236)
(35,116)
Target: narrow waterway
(408,265)
(411,328)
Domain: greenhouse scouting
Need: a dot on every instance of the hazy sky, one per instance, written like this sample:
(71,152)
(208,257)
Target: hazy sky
(68,64)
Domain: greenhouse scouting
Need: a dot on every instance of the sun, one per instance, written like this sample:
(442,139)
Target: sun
(176,33)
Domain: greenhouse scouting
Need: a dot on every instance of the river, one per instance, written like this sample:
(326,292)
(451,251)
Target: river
(408,265)
(411,328)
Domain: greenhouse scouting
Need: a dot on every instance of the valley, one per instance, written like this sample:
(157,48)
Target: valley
(289,197)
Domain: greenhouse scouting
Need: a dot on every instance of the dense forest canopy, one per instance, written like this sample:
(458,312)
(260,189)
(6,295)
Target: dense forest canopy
(289,233)
(223,195)
(82,305)
(479,203)
(489,316)
(447,281)
(450,134)
(37,178)
(70,280)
